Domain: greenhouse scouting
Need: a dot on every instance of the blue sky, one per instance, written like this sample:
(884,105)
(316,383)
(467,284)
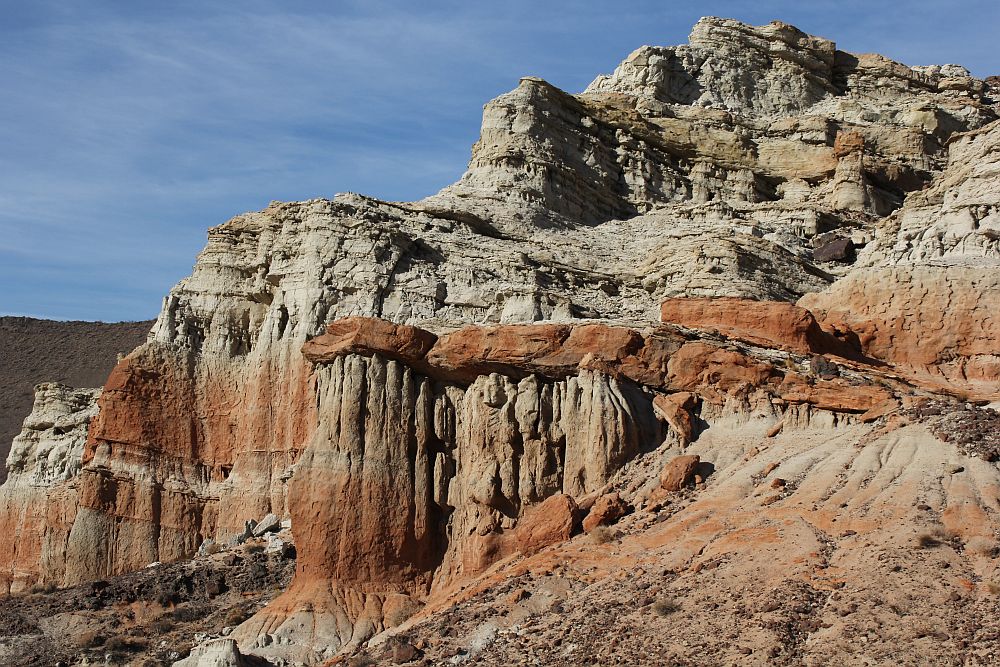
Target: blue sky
(128,128)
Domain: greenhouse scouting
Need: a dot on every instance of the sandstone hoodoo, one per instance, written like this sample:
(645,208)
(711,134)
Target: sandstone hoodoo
(702,353)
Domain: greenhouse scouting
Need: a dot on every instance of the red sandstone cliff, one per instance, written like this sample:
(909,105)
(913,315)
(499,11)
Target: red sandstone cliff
(441,392)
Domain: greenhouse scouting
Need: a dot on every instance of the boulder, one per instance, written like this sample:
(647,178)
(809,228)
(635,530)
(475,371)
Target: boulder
(218,653)
(679,472)
(606,510)
(247,532)
(550,522)
(207,547)
(835,394)
(269,524)
(833,249)
(675,409)
(399,650)
(512,350)
(367,336)
(768,323)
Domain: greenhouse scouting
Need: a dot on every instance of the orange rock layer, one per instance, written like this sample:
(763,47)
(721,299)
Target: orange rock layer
(481,441)
(766,323)
(486,442)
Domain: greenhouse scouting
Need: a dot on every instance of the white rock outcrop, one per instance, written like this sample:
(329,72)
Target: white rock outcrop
(50,446)
(699,170)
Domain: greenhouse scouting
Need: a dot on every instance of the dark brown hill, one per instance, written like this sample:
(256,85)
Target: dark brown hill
(80,354)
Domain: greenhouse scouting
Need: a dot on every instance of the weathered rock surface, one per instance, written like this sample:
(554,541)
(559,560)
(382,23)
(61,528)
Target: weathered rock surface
(50,446)
(744,573)
(218,653)
(552,521)
(767,323)
(431,390)
(37,506)
(678,472)
(367,336)
(924,295)
(676,409)
(606,510)
(480,470)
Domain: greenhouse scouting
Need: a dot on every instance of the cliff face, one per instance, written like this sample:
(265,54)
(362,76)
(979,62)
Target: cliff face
(463,435)
(38,501)
(924,295)
(436,389)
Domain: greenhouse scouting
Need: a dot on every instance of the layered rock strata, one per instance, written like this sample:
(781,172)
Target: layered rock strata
(39,500)
(471,358)
(468,435)
(924,295)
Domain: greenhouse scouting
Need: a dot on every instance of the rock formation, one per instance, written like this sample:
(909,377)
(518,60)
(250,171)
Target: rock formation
(438,393)
(925,294)
(38,501)
(32,351)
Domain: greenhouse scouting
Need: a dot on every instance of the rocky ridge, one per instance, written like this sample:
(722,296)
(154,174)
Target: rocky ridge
(32,351)
(525,355)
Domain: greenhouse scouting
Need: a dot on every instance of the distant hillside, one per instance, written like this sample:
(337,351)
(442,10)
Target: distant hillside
(80,354)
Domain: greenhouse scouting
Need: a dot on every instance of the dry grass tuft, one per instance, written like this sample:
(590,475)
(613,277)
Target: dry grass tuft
(927,541)
(602,535)
(665,607)
(43,588)
(236,616)
(983,546)
(936,538)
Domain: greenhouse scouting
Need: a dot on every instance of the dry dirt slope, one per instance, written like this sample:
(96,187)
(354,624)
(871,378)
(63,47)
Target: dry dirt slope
(80,354)
(842,544)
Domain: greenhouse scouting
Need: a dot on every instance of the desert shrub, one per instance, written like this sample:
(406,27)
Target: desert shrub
(983,546)
(191,612)
(937,537)
(165,598)
(927,541)
(602,535)
(235,616)
(665,606)
(123,644)
(162,625)
(90,639)
(154,662)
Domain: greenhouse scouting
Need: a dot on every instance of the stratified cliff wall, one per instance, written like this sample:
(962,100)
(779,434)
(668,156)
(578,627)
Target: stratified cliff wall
(39,501)
(925,294)
(431,452)
(429,388)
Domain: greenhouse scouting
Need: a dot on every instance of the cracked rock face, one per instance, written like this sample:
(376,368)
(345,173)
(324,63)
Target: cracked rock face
(924,295)
(413,382)
(37,506)
(50,446)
